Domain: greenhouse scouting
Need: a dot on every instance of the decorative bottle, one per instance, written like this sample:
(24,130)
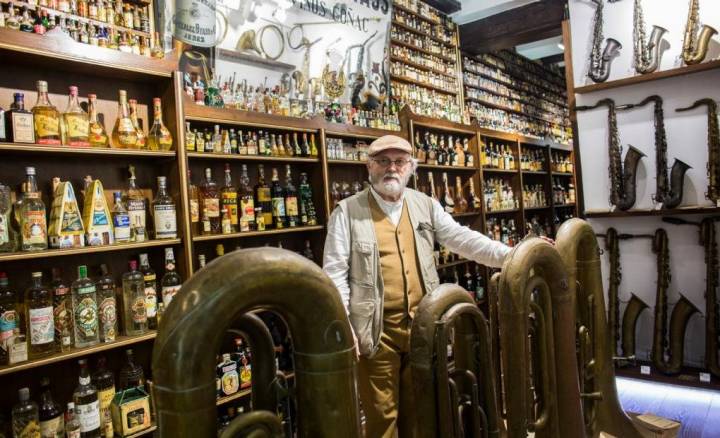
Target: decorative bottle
(46,118)
(124,135)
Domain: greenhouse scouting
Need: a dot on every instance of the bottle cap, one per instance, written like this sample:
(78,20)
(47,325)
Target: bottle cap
(73,90)
(133,265)
(82,271)
(30,171)
(24,394)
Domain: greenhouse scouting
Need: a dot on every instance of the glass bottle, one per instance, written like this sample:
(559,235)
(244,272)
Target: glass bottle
(107,305)
(229,200)
(121,220)
(9,319)
(8,235)
(217,145)
(157,51)
(141,141)
(25,418)
(124,135)
(72,423)
(104,381)
(447,200)
(76,121)
(19,121)
(136,204)
(46,117)
(164,214)
(33,223)
(62,311)
(52,423)
(278,201)
(313,148)
(97,136)
(461,204)
(85,310)
(87,404)
(306,202)
(211,202)
(291,201)
(171,281)
(131,375)
(189,138)
(134,311)
(39,318)
(159,137)
(151,300)
(194,206)
(247,202)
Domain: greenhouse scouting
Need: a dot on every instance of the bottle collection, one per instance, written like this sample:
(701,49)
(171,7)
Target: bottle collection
(499,195)
(512,105)
(337,149)
(422,59)
(340,190)
(534,196)
(203,259)
(437,80)
(421,42)
(438,31)
(428,102)
(502,230)
(532,160)
(453,200)
(563,192)
(60,315)
(497,156)
(234,369)
(250,142)
(437,149)
(471,280)
(560,162)
(537,226)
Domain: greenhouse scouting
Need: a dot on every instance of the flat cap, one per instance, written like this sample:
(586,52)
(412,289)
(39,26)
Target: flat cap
(389,142)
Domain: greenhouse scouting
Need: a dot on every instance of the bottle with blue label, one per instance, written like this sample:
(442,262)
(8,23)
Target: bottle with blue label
(121,220)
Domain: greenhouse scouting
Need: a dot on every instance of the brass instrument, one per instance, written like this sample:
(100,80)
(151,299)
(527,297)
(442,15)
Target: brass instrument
(629,324)
(260,278)
(457,401)
(695,46)
(248,43)
(622,174)
(681,314)
(612,245)
(713,166)
(600,59)
(668,190)
(577,245)
(646,53)
(333,81)
(534,284)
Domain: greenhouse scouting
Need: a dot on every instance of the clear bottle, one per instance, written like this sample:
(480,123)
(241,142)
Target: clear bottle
(247,202)
(151,300)
(136,205)
(97,136)
(124,135)
(107,305)
(164,214)
(76,121)
(131,375)
(46,118)
(25,417)
(141,141)
(171,280)
(85,310)
(134,311)
(87,404)
(104,381)
(33,219)
(211,202)
(121,220)
(9,319)
(72,423)
(217,146)
(39,318)
(229,200)
(461,204)
(52,423)
(159,137)
(62,311)
(278,201)
(291,200)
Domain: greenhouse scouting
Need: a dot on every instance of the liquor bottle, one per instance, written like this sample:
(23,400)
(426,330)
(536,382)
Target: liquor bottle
(291,201)
(313,148)
(46,117)
(159,137)
(32,218)
(308,216)
(289,150)
(274,151)
(199,141)
(121,220)
(62,312)
(52,423)
(131,375)
(97,136)
(479,285)
(304,147)
(297,151)
(75,121)
(107,305)
(194,206)
(124,134)
(39,318)
(104,381)
(85,310)
(474,202)
(307,252)
(217,146)
(252,144)
(87,404)
(461,204)
(232,138)
(25,418)
(433,193)
(247,202)
(263,198)
(141,140)
(189,138)
(134,311)
(229,200)
(19,121)
(242,144)
(211,203)
(278,201)
(164,214)
(9,319)
(447,200)
(150,280)
(201,261)
(136,204)
(72,423)
(171,281)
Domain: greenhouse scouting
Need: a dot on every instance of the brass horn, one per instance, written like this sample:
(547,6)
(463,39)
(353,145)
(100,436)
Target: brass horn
(695,45)
(629,324)
(262,278)
(248,42)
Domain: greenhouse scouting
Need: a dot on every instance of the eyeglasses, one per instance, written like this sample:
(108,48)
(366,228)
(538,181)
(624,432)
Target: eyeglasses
(386,162)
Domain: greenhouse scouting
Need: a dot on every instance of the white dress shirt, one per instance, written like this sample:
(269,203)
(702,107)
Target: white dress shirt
(457,238)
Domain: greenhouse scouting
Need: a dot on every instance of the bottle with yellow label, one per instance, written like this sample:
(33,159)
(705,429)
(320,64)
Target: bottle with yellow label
(124,134)
(46,118)
(159,137)
(97,136)
(76,122)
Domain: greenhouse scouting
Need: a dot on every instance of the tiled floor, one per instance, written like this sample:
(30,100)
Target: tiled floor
(697,409)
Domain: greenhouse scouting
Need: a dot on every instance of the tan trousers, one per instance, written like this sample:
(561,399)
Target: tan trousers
(385,385)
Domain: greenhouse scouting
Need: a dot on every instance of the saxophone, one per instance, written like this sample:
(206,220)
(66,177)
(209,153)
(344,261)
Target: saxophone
(622,174)
(713,166)
(600,59)
(647,54)
(668,190)
(695,46)
(612,245)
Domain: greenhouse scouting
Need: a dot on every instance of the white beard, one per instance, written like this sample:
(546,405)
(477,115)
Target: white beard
(391,187)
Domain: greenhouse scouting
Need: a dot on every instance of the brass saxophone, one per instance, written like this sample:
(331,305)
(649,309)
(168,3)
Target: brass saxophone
(612,245)
(622,174)
(634,308)
(647,53)
(713,165)
(600,59)
(695,46)
(668,190)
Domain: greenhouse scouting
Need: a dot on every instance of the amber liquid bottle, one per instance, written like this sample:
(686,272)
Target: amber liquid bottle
(159,137)
(141,142)
(211,203)
(124,135)
(263,199)
(96,132)
(46,118)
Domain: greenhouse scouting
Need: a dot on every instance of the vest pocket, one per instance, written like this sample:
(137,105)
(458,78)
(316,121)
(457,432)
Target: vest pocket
(361,319)
(362,263)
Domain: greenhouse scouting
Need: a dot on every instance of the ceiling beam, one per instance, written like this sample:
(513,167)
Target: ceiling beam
(525,24)
(447,7)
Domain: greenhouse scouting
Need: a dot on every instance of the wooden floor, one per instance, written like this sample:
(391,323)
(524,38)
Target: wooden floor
(698,410)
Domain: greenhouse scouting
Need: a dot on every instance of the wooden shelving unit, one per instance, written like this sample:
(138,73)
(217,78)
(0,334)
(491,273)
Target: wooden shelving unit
(68,150)
(36,255)
(257,233)
(645,213)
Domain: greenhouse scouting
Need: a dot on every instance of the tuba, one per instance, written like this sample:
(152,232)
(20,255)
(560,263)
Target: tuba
(646,53)
(622,174)
(695,46)
(270,279)
(600,59)
(713,166)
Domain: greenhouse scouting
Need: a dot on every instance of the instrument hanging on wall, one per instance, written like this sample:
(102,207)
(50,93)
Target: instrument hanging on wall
(623,175)
(600,59)
(668,190)
(361,95)
(333,81)
(695,45)
(247,43)
(713,166)
(646,53)
(633,309)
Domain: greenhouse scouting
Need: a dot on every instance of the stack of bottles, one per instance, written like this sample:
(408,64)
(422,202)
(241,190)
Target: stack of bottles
(337,149)
(340,190)
(453,202)
(472,281)
(502,230)
(260,142)
(532,160)
(438,149)
(497,156)
(563,192)
(560,162)
(499,195)
(534,196)
(537,226)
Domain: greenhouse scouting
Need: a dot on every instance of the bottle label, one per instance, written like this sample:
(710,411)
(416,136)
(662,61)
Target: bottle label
(105,397)
(168,293)
(278,207)
(8,324)
(263,194)
(245,376)
(291,205)
(4,229)
(212,206)
(47,126)
(63,322)
(194,211)
(89,416)
(165,221)
(247,211)
(108,318)
(138,310)
(34,229)
(230,380)
(229,201)
(42,327)
(86,315)
(150,301)
(78,128)
(73,433)
(22,128)
(122,226)
(52,428)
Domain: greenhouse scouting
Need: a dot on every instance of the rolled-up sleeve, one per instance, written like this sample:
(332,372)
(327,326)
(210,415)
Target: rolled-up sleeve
(336,255)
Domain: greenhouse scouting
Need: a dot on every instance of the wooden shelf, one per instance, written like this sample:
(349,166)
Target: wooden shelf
(348,162)
(506,171)
(443,167)
(455,263)
(569,174)
(466,214)
(122,341)
(655,76)
(260,158)
(511,85)
(257,233)
(533,172)
(519,78)
(641,213)
(34,255)
(512,210)
(235,56)
(519,99)
(421,67)
(547,207)
(416,14)
(69,150)
(425,34)
(420,49)
(422,84)
(570,205)
(207,114)
(689,376)
(352,131)
(147,431)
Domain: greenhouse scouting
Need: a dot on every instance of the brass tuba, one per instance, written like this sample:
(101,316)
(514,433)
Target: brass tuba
(459,400)
(713,165)
(695,46)
(600,59)
(265,278)
(646,53)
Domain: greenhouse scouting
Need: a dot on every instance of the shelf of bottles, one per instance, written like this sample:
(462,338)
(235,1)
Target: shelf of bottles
(423,60)
(509,93)
(438,149)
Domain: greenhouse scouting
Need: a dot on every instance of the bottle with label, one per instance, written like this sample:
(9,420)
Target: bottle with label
(8,236)
(121,220)
(87,405)
(194,206)
(247,202)
(75,121)
(291,200)
(107,305)
(52,423)
(104,381)
(19,121)
(136,204)
(9,319)
(72,424)
(171,281)
(134,311)
(159,137)
(446,200)
(39,318)
(131,375)
(189,138)
(278,201)
(141,140)
(62,311)
(164,212)
(210,203)
(46,118)
(151,300)
(229,200)
(97,136)
(228,374)
(33,222)
(461,204)
(306,202)
(124,135)
(25,418)
(85,310)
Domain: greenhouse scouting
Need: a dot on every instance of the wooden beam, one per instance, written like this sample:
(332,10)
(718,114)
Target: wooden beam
(445,6)
(553,59)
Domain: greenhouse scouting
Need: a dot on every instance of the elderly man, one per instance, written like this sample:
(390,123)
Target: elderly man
(379,254)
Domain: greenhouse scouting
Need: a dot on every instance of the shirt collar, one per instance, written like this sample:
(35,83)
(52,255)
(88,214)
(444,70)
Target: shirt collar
(387,204)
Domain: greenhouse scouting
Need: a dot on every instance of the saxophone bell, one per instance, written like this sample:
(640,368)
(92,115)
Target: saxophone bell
(695,47)
(601,71)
